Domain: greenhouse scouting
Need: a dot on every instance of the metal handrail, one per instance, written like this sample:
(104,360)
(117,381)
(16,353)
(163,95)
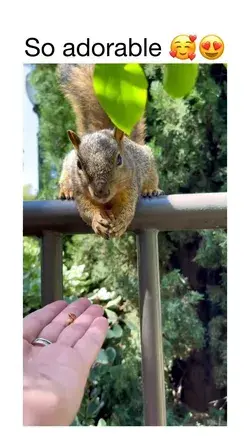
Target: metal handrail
(166,213)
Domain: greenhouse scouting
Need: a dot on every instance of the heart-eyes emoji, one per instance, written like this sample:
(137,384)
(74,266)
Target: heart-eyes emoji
(211,47)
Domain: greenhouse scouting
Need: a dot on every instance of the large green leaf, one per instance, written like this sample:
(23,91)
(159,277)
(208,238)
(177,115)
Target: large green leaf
(179,79)
(122,92)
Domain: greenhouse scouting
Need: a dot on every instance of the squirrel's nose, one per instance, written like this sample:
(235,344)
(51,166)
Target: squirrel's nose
(101,193)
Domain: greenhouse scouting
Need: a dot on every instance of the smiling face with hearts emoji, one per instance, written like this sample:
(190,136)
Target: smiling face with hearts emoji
(183,47)
(211,47)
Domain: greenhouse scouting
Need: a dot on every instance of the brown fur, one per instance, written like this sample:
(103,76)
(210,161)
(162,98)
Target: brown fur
(106,192)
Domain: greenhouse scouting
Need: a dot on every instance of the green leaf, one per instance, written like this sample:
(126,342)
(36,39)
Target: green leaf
(122,92)
(112,316)
(179,79)
(111,354)
(101,423)
(110,334)
(114,302)
(117,331)
(102,357)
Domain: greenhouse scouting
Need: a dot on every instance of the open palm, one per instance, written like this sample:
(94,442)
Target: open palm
(55,375)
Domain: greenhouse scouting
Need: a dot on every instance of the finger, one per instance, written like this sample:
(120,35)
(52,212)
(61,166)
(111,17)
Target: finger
(90,344)
(71,334)
(35,322)
(59,323)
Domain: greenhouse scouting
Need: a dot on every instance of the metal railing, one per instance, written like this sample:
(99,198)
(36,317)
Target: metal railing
(50,219)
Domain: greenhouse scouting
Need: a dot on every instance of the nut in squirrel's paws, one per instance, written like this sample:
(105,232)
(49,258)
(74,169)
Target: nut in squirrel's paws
(152,193)
(101,225)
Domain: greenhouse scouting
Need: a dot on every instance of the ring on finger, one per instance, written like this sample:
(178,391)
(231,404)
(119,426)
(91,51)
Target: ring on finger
(41,341)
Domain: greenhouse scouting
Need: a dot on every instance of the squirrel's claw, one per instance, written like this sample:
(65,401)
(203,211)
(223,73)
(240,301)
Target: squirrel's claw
(158,193)
(66,195)
(152,193)
(62,197)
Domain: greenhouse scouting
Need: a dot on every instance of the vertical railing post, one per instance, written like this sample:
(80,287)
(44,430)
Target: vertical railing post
(51,267)
(151,329)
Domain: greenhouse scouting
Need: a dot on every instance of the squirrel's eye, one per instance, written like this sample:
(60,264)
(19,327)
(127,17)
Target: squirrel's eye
(119,160)
(79,165)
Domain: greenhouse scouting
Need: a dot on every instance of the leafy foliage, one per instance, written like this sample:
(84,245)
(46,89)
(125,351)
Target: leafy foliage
(181,328)
(31,275)
(55,118)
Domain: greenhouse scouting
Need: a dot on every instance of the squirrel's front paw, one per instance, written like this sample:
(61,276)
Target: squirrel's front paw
(101,225)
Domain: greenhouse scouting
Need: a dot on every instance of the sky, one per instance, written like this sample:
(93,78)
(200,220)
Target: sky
(30,130)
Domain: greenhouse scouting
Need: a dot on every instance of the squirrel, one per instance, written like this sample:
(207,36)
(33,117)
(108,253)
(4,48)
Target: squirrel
(106,172)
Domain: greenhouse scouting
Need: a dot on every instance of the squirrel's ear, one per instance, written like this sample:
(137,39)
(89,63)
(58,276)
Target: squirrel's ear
(118,135)
(74,139)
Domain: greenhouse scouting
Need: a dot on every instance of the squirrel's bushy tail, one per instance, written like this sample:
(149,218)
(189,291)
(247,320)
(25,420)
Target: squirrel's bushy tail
(77,85)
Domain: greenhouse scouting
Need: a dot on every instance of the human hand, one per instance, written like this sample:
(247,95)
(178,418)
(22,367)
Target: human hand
(55,375)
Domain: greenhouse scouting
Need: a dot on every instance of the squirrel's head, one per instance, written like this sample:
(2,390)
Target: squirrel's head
(100,162)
